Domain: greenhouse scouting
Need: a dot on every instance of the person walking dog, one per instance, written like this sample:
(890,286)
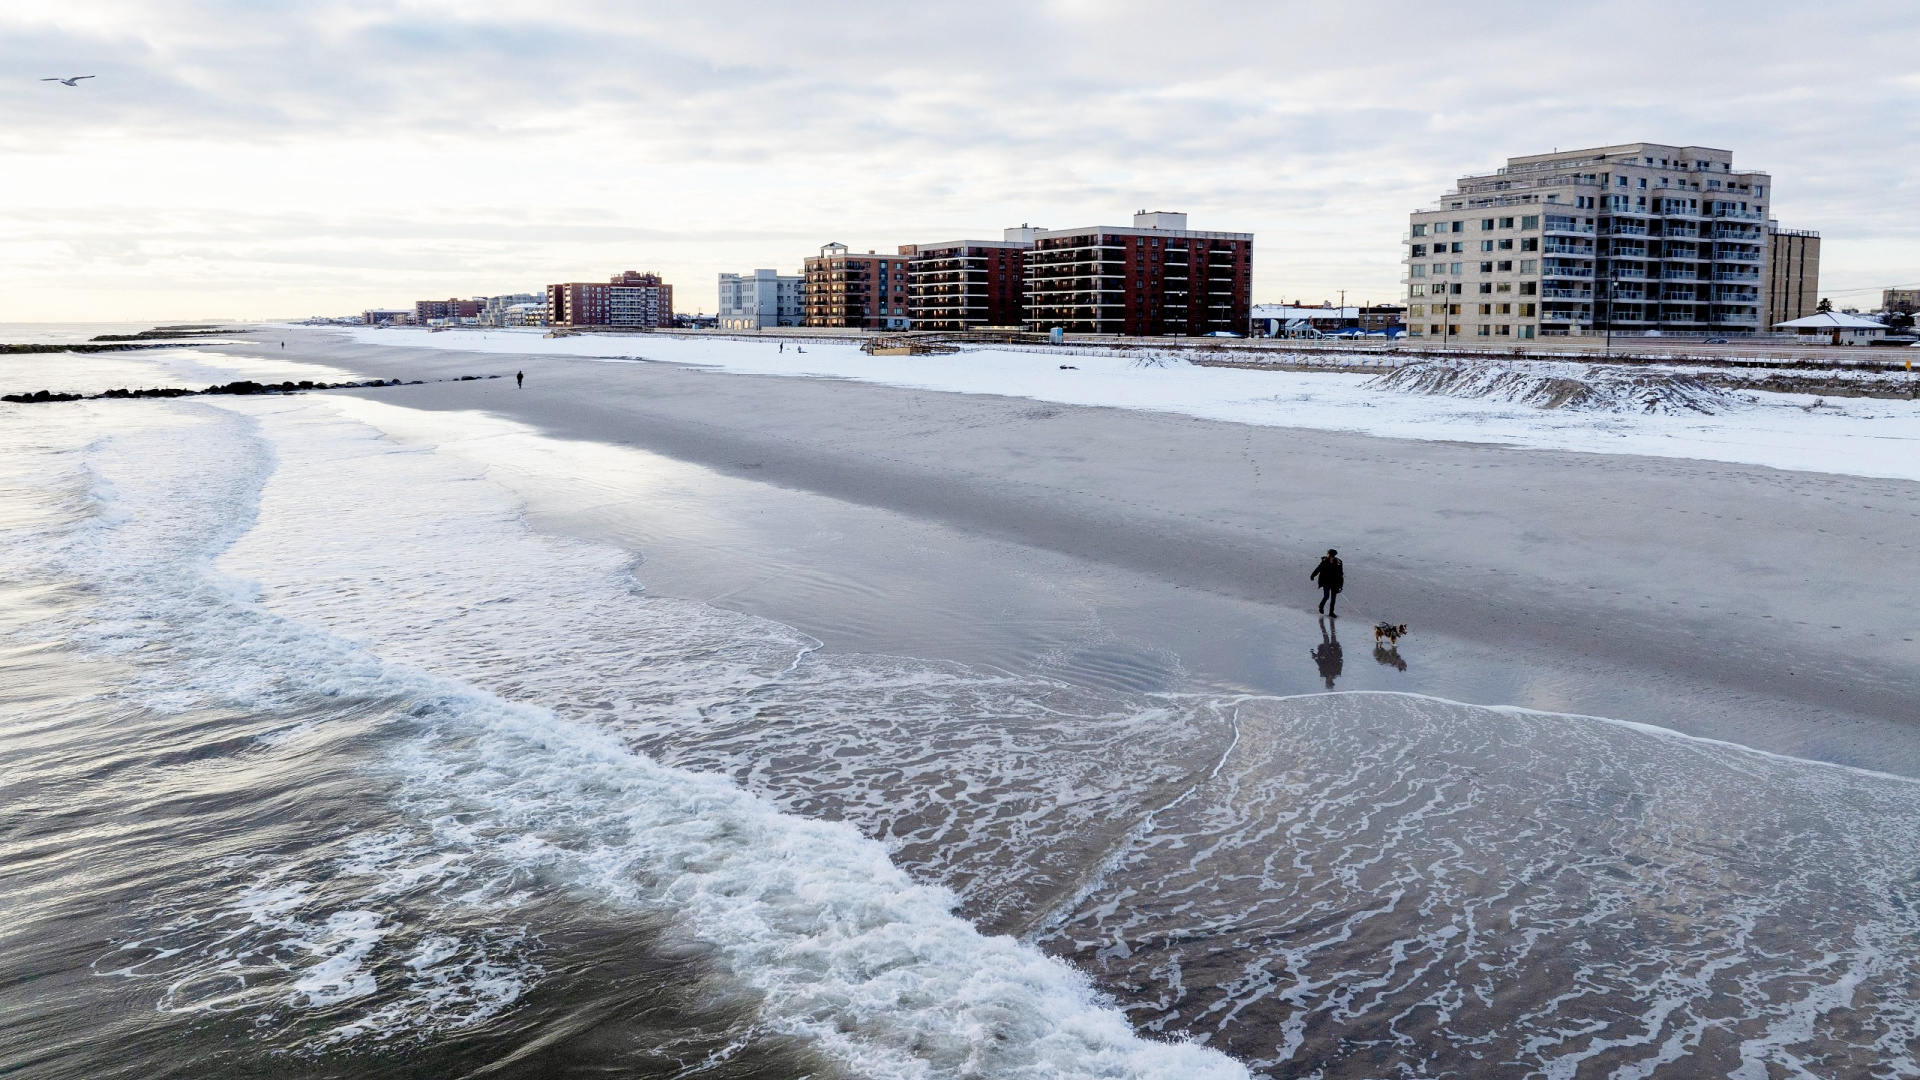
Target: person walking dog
(1332,577)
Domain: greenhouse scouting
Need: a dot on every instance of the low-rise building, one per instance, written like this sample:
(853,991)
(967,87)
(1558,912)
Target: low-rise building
(631,299)
(1837,328)
(530,314)
(1153,278)
(856,292)
(493,309)
(760,299)
(966,283)
(1300,320)
(387,317)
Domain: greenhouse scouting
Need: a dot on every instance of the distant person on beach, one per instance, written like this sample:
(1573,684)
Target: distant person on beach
(1327,656)
(783,346)
(519,379)
(1332,577)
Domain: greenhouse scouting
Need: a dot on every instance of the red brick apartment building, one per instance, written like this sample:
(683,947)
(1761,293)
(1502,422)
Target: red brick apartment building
(424,310)
(1156,278)
(631,299)
(965,283)
(860,292)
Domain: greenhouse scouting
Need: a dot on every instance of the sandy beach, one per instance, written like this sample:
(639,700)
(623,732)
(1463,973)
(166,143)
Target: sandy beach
(1761,606)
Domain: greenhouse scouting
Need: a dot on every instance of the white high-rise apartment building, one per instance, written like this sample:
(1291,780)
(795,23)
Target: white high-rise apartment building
(760,299)
(1634,237)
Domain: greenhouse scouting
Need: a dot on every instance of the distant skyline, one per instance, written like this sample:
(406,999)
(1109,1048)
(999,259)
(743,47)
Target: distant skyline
(245,160)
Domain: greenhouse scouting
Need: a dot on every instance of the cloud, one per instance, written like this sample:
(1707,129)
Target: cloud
(443,148)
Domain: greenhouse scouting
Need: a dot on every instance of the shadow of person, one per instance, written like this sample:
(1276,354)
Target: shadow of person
(1390,656)
(1326,655)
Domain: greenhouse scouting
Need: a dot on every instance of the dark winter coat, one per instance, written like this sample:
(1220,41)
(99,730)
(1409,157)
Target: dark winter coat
(1330,573)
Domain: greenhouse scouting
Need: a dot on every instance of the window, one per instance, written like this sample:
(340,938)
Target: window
(1434,330)
(1506,266)
(1456,268)
(1486,224)
(1454,309)
(1503,309)
(1506,223)
(1417,270)
(1453,328)
(1486,309)
(1643,183)
(1439,268)
(1417,310)
(1526,310)
(1419,250)
(1486,268)
(1526,331)
(1530,221)
(1620,181)
(1506,245)
(1419,230)
(1455,290)
(1527,288)
(1486,245)
(1483,330)
(1505,286)
(1529,243)
(1486,287)
(1459,226)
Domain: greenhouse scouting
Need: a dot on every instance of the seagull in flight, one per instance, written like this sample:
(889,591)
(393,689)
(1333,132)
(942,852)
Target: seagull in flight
(75,81)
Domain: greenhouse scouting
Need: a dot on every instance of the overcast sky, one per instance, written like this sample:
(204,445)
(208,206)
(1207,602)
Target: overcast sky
(250,158)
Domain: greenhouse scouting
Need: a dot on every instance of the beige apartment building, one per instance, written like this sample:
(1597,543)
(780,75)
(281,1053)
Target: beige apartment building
(1632,238)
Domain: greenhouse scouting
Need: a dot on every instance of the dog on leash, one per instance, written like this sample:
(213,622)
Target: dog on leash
(1389,633)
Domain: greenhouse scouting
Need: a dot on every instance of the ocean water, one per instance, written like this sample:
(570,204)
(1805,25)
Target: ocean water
(320,761)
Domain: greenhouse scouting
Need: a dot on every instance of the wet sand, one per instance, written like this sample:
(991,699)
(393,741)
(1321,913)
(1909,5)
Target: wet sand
(1155,551)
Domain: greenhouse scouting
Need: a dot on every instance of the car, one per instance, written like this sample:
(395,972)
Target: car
(1222,333)
(1716,341)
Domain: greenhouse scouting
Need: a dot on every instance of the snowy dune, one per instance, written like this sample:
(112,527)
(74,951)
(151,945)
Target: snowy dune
(1849,436)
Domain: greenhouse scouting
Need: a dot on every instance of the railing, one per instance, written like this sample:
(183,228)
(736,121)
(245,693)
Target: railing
(1566,294)
(1624,229)
(1629,253)
(1569,227)
(1681,228)
(1731,275)
(1679,273)
(1567,271)
(1736,256)
(1740,215)
(1551,248)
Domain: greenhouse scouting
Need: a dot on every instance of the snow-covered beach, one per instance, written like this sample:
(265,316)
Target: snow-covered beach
(1849,436)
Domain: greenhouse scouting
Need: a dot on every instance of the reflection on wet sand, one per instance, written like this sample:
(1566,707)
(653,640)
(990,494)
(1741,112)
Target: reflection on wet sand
(1327,654)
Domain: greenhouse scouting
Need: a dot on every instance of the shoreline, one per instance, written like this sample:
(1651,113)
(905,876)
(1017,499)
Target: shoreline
(1489,552)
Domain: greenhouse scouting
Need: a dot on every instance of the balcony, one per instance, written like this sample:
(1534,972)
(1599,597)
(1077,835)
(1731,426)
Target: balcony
(1682,228)
(1738,215)
(1736,256)
(1627,228)
(1569,226)
(1679,273)
(1566,294)
(1623,272)
(1566,271)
